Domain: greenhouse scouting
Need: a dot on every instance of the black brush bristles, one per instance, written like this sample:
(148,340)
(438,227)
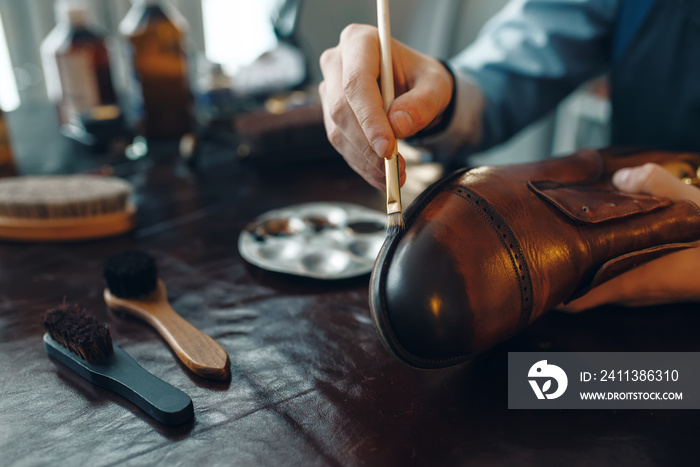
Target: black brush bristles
(78,331)
(131,274)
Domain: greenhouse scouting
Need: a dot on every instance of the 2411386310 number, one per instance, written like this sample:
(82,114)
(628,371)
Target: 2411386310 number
(639,375)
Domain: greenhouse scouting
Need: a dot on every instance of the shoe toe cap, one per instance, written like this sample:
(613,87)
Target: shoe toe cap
(451,287)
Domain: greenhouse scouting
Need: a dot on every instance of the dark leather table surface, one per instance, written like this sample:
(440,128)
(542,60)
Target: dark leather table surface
(311,383)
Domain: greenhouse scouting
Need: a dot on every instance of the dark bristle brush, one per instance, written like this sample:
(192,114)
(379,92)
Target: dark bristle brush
(84,345)
(133,287)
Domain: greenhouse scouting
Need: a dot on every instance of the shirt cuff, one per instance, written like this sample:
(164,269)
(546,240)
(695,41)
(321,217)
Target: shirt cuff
(463,132)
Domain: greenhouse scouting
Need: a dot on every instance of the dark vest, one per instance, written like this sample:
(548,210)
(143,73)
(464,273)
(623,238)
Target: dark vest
(655,76)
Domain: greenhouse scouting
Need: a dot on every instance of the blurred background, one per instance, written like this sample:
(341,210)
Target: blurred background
(237,57)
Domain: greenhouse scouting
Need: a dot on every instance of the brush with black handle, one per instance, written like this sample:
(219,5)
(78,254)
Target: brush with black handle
(133,287)
(84,345)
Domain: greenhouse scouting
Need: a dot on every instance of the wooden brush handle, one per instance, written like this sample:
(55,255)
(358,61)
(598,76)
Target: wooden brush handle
(387,69)
(199,352)
(391,165)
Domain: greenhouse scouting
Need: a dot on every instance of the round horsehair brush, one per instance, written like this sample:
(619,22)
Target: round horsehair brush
(84,345)
(133,287)
(64,207)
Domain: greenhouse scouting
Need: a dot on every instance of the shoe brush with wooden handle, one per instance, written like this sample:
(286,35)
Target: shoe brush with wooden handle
(133,287)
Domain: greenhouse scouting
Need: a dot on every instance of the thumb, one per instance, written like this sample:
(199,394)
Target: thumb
(419,106)
(654,180)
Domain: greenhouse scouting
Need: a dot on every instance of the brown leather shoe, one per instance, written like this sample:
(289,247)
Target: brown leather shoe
(486,251)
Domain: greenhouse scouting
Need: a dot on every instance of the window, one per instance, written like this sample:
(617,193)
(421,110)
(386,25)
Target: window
(236,32)
(9,97)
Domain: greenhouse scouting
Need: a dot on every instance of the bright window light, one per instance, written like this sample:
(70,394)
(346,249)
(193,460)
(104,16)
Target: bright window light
(236,32)
(9,97)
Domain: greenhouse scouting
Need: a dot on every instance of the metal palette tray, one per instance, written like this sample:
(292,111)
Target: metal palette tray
(318,240)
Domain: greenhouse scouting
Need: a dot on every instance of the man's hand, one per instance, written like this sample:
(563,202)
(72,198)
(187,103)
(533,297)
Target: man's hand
(353,111)
(671,278)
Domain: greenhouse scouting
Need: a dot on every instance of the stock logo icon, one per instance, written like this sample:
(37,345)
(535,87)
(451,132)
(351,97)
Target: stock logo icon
(543,374)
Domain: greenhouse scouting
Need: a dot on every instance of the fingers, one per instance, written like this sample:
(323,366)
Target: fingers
(360,57)
(342,128)
(370,168)
(425,99)
(423,88)
(353,113)
(654,180)
(402,170)
(669,279)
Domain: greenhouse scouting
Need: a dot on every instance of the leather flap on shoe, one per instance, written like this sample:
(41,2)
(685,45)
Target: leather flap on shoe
(624,263)
(594,205)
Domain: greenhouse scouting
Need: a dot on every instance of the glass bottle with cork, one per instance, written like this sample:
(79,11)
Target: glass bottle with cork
(155,33)
(78,75)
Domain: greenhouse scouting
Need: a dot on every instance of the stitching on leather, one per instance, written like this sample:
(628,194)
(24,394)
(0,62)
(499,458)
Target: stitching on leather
(509,242)
(412,212)
(654,249)
(395,346)
(526,293)
(618,214)
(697,208)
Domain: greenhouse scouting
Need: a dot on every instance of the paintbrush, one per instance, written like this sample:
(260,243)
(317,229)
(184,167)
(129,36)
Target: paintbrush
(395,221)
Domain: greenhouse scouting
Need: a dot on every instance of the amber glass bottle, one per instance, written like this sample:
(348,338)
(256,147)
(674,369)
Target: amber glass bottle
(76,65)
(156,35)
(7,162)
